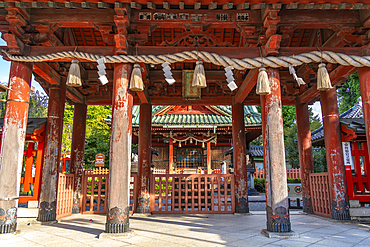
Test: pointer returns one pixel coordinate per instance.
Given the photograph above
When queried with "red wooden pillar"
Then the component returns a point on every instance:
(120, 152)
(364, 76)
(170, 156)
(334, 155)
(145, 158)
(209, 161)
(277, 206)
(240, 158)
(77, 152)
(13, 139)
(53, 143)
(305, 153)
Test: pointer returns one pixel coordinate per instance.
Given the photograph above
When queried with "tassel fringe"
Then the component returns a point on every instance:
(323, 78)
(263, 85)
(74, 75)
(199, 77)
(136, 82)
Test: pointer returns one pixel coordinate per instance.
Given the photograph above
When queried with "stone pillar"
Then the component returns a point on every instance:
(13, 139)
(305, 153)
(120, 152)
(145, 158)
(364, 76)
(239, 159)
(53, 143)
(77, 152)
(334, 155)
(277, 206)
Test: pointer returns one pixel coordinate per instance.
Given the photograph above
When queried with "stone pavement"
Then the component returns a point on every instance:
(189, 230)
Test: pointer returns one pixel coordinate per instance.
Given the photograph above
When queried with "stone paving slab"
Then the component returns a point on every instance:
(189, 230)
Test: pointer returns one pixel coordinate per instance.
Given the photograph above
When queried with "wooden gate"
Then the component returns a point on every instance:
(192, 194)
(95, 189)
(358, 180)
(65, 195)
(320, 194)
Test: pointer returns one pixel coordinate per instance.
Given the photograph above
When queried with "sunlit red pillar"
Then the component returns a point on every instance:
(277, 206)
(209, 158)
(120, 152)
(145, 144)
(240, 166)
(305, 153)
(77, 152)
(334, 155)
(364, 76)
(170, 156)
(13, 139)
(53, 143)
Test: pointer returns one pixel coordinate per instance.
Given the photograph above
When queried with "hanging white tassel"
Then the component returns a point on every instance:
(202, 144)
(74, 75)
(323, 78)
(299, 80)
(199, 77)
(263, 85)
(179, 144)
(136, 82)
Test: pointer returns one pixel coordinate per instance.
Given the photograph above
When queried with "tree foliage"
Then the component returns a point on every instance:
(349, 94)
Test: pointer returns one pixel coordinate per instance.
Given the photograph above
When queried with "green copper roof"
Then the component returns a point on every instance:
(252, 117)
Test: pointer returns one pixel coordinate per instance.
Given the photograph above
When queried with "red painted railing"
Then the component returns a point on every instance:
(358, 180)
(192, 194)
(320, 194)
(65, 195)
(291, 173)
(95, 191)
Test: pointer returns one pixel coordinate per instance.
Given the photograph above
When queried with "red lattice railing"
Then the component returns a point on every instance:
(358, 180)
(291, 173)
(192, 194)
(95, 191)
(320, 194)
(65, 195)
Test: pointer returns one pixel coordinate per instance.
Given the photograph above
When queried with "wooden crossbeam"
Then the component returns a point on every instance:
(248, 83)
(47, 73)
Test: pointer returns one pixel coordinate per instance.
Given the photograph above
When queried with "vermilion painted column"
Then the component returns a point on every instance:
(77, 152)
(277, 206)
(209, 161)
(305, 153)
(145, 158)
(334, 155)
(240, 166)
(120, 152)
(170, 156)
(364, 76)
(53, 143)
(13, 139)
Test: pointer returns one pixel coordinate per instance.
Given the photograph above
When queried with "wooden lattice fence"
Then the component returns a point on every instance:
(291, 173)
(320, 194)
(65, 195)
(192, 194)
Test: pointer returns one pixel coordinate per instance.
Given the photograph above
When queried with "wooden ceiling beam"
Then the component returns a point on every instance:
(143, 96)
(47, 73)
(248, 83)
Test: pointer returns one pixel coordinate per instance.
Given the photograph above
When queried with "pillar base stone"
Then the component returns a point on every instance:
(143, 205)
(76, 209)
(279, 234)
(105, 235)
(278, 221)
(117, 220)
(8, 220)
(47, 211)
(340, 210)
(307, 205)
(241, 206)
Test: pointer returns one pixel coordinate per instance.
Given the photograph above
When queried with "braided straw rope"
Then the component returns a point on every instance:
(239, 64)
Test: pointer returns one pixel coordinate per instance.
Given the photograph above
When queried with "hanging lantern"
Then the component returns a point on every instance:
(199, 77)
(136, 82)
(323, 78)
(74, 75)
(263, 85)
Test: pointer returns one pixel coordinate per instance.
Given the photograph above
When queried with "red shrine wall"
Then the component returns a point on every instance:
(217, 156)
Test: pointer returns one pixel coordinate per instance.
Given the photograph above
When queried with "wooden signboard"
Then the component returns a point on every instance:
(99, 160)
(189, 92)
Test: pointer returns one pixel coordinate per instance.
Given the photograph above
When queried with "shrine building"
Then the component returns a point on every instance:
(165, 57)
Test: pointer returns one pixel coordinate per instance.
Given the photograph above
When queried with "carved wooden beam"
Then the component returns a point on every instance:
(247, 85)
